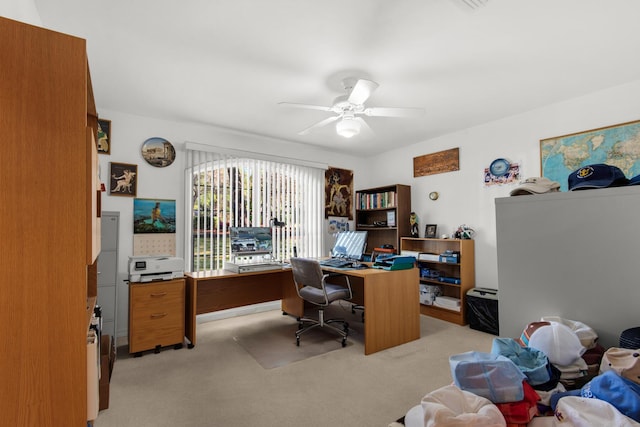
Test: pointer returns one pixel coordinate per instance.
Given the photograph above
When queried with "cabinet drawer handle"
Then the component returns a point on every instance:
(158, 315)
(159, 294)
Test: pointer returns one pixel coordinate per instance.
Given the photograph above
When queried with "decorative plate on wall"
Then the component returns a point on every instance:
(158, 152)
(499, 167)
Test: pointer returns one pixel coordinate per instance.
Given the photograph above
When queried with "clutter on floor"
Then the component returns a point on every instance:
(554, 374)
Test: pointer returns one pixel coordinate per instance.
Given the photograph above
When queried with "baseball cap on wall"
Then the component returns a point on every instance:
(598, 175)
(535, 185)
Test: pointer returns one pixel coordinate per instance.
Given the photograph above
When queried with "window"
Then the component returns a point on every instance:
(228, 190)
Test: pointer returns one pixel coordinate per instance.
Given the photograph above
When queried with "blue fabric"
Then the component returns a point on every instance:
(620, 392)
(491, 376)
(617, 390)
(532, 362)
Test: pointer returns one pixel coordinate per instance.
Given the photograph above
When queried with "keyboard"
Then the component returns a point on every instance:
(336, 263)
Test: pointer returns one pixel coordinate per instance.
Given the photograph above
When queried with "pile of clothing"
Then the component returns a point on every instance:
(554, 374)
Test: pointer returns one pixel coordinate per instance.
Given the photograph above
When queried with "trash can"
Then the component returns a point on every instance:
(482, 310)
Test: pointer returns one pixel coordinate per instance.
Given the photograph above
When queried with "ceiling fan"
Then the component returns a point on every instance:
(349, 107)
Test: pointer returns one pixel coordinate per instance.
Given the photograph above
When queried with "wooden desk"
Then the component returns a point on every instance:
(391, 299)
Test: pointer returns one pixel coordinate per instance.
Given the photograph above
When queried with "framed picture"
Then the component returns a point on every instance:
(123, 179)
(154, 216)
(338, 224)
(104, 136)
(391, 218)
(338, 192)
(430, 231)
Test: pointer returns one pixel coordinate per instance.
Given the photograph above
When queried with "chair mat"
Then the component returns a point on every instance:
(272, 343)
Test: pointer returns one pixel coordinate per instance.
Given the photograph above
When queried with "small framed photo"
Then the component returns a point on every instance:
(104, 136)
(123, 179)
(391, 218)
(430, 231)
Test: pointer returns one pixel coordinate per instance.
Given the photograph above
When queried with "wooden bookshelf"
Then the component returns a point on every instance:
(381, 205)
(464, 270)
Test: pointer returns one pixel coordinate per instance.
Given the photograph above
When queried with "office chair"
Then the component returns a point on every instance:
(320, 289)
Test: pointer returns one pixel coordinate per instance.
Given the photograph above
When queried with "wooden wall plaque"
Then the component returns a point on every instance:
(440, 162)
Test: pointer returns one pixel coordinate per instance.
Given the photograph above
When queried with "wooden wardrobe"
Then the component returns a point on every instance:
(49, 225)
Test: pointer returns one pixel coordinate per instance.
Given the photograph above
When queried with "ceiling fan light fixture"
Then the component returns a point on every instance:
(348, 127)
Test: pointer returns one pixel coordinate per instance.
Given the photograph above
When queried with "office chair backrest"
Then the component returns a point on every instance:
(307, 272)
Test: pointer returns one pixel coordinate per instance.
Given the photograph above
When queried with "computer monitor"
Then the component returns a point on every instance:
(350, 245)
(250, 240)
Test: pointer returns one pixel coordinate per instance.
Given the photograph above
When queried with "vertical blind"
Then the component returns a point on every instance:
(229, 190)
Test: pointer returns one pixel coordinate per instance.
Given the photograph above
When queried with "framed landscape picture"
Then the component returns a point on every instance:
(154, 216)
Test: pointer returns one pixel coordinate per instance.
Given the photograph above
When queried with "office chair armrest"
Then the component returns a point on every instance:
(347, 282)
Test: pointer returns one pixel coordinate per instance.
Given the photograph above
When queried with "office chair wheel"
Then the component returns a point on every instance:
(298, 341)
(344, 341)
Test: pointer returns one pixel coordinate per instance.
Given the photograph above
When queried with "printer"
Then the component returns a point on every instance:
(154, 268)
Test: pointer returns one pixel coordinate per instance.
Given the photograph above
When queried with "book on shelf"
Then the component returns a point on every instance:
(382, 200)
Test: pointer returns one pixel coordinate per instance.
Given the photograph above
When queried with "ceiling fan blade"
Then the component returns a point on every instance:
(307, 106)
(362, 91)
(319, 124)
(393, 112)
(365, 129)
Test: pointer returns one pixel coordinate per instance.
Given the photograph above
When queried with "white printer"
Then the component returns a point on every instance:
(153, 268)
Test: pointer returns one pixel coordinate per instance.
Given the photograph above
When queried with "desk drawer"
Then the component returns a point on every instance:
(156, 315)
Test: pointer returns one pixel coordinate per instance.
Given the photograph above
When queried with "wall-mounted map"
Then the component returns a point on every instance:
(617, 145)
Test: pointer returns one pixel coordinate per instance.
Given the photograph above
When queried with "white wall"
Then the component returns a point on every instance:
(128, 132)
(21, 10)
(463, 197)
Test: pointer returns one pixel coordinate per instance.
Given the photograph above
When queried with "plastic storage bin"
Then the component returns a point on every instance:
(482, 310)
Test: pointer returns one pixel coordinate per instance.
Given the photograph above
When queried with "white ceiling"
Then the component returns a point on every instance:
(228, 63)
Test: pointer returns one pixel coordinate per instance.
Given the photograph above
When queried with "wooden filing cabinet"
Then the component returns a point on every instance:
(156, 315)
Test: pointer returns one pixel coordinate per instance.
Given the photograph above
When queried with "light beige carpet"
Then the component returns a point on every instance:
(219, 383)
(272, 343)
